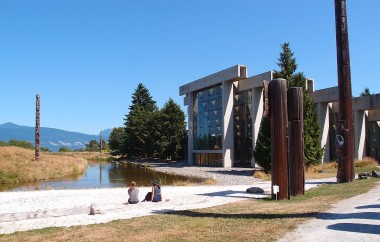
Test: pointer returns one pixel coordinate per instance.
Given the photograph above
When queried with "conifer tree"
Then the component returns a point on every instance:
(262, 152)
(138, 124)
(312, 151)
(173, 130)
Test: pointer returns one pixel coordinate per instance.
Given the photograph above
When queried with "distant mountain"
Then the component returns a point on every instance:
(51, 138)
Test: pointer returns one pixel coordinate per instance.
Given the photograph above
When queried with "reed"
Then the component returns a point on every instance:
(18, 165)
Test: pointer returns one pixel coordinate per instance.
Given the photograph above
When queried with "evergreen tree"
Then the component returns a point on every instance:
(138, 124)
(312, 150)
(116, 140)
(365, 92)
(93, 145)
(172, 132)
(262, 152)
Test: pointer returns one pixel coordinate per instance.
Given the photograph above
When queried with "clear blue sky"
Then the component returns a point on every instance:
(86, 57)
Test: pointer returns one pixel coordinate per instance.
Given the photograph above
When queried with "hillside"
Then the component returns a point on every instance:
(50, 138)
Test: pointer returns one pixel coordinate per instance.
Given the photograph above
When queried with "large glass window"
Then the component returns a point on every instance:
(207, 120)
(208, 159)
(242, 128)
(373, 139)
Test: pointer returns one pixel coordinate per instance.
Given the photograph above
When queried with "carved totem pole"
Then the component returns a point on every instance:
(344, 128)
(37, 141)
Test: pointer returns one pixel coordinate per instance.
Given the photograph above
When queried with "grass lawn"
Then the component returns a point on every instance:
(249, 220)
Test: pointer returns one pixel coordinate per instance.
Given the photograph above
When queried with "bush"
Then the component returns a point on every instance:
(366, 162)
(64, 149)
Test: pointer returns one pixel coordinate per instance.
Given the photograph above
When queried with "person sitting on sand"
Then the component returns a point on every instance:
(133, 193)
(155, 195)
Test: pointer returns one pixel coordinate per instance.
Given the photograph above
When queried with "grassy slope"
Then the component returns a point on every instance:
(18, 165)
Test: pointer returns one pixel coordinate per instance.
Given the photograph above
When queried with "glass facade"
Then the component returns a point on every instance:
(208, 159)
(207, 124)
(373, 139)
(242, 128)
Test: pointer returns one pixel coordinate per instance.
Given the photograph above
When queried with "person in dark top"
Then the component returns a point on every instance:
(133, 193)
(155, 195)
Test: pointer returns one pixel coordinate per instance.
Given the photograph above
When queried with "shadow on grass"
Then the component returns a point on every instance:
(235, 194)
(319, 183)
(194, 214)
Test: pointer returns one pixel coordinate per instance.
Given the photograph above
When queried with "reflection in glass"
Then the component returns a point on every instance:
(207, 124)
(208, 159)
(242, 128)
(373, 139)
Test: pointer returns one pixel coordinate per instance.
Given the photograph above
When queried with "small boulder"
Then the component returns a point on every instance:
(375, 174)
(363, 175)
(255, 190)
(94, 209)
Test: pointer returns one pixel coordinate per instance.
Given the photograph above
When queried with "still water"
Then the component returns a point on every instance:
(102, 175)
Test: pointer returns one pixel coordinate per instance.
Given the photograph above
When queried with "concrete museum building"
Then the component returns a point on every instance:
(225, 110)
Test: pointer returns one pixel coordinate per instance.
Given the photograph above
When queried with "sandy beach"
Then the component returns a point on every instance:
(21, 211)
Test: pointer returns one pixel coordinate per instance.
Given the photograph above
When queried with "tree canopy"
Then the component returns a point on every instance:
(149, 132)
(312, 151)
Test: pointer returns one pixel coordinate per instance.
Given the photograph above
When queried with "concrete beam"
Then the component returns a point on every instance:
(360, 134)
(373, 115)
(237, 72)
(228, 127)
(257, 115)
(366, 102)
(190, 137)
(326, 95)
(323, 110)
(254, 81)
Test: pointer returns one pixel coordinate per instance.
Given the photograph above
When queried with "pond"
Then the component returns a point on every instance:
(102, 175)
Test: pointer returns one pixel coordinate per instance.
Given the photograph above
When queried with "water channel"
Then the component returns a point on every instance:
(101, 175)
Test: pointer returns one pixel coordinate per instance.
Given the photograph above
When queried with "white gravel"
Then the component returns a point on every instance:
(20, 211)
(63, 208)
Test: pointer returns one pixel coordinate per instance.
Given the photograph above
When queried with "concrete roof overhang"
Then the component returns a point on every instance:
(233, 73)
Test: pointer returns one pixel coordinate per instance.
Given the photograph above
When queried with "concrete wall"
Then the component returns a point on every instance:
(364, 108)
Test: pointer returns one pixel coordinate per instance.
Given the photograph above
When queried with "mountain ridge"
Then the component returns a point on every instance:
(51, 138)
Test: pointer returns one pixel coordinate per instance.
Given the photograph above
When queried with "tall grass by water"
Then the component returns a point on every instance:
(18, 165)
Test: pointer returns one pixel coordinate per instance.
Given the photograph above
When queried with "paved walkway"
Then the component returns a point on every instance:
(354, 219)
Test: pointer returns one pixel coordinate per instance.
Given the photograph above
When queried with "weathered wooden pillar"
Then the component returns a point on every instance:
(296, 142)
(101, 142)
(37, 141)
(345, 137)
(279, 125)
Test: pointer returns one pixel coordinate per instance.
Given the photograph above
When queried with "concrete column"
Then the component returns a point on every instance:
(360, 134)
(324, 124)
(228, 128)
(257, 115)
(190, 137)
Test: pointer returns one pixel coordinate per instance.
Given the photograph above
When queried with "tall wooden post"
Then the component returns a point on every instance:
(345, 137)
(296, 142)
(101, 142)
(279, 125)
(37, 141)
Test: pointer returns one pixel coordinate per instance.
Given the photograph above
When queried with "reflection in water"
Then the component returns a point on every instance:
(102, 175)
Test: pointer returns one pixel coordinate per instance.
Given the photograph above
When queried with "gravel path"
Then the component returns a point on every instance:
(223, 176)
(354, 219)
